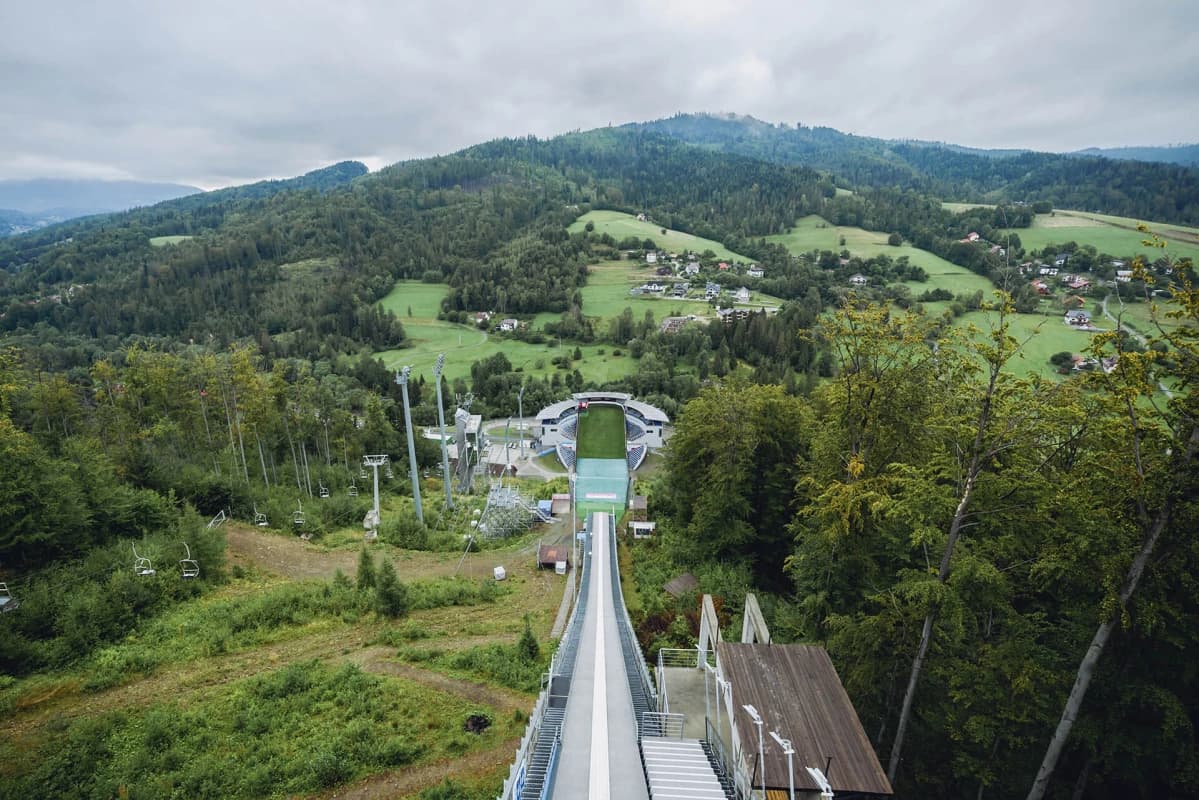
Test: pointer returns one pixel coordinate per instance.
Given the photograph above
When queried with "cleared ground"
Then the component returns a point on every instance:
(620, 225)
(278, 702)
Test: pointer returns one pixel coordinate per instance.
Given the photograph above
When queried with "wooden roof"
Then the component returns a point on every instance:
(797, 692)
(553, 553)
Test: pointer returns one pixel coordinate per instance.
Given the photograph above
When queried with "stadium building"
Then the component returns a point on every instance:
(645, 425)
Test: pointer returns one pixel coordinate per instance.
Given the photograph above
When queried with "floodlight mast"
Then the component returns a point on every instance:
(520, 409)
(402, 380)
(789, 751)
(757, 720)
(445, 456)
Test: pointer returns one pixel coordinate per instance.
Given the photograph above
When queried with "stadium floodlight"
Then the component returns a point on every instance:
(445, 457)
(402, 380)
(789, 751)
(757, 720)
(826, 789)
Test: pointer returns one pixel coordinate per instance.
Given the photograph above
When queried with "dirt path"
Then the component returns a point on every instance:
(407, 782)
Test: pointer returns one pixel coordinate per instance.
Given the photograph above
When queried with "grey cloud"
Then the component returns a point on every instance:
(232, 91)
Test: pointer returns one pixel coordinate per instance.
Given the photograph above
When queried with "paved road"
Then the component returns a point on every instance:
(599, 758)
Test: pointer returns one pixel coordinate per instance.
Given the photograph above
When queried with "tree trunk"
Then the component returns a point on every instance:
(1086, 669)
(926, 633)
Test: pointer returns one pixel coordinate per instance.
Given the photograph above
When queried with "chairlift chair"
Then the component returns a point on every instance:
(260, 518)
(141, 565)
(362, 474)
(353, 490)
(7, 601)
(297, 517)
(190, 567)
(324, 491)
(390, 475)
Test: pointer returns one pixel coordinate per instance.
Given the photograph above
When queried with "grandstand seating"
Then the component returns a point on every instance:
(566, 454)
(632, 431)
(635, 455)
(570, 428)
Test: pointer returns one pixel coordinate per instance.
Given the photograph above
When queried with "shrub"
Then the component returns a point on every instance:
(391, 596)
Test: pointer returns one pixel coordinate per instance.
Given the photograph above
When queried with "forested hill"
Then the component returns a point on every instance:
(1185, 154)
(1166, 192)
(298, 265)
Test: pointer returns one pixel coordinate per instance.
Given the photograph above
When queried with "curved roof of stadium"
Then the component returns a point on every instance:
(650, 413)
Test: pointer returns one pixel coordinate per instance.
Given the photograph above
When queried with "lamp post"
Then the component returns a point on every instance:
(402, 380)
(790, 751)
(445, 457)
(757, 720)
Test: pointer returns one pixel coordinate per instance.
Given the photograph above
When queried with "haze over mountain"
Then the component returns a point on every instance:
(35, 203)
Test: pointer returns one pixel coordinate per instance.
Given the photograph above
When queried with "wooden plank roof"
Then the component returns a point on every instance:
(795, 689)
(681, 585)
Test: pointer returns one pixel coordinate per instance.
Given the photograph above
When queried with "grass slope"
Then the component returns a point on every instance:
(417, 304)
(601, 432)
(1116, 236)
(620, 225)
(814, 233)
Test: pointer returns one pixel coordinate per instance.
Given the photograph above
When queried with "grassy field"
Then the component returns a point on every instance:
(164, 241)
(464, 344)
(1116, 236)
(814, 233)
(601, 432)
(606, 294)
(620, 225)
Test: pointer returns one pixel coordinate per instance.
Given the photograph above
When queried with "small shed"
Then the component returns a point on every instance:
(560, 504)
(642, 530)
(637, 505)
(548, 555)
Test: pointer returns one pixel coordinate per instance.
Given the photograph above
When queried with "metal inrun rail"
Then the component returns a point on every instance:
(640, 687)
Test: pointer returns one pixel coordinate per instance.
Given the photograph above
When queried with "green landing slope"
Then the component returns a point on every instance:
(601, 468)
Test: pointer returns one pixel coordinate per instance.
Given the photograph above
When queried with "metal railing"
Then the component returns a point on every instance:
(664, 725)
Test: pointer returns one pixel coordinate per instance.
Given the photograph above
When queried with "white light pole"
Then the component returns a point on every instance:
(520, 409)
(757, 720)
(402, 380)
(445, 458)
(790, 751)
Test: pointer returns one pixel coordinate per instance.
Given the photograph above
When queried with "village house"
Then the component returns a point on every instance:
(1041, 287)
(858, 279)
(970, 238)
(1123, 275)
(755, 271)
(651, 257)
(692, 268)
(509, 324)
(1047, 270)
(1078, 317)
(1061, 260)
(742, 295)
(722, 266)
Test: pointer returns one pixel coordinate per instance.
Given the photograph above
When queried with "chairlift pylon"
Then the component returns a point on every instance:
(190, 567)
(141, 565)
(7, 601)
(260, 518)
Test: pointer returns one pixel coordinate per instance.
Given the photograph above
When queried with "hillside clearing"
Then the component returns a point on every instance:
(620, 225)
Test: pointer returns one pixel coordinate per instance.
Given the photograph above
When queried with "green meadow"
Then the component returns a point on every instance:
(417, 304)
(1116, 236)
(620, 225)
(814, 233)
(165, 241)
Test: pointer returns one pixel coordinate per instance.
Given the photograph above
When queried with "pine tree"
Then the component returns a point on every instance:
(391, 596)
(527, 649)
(366, 571)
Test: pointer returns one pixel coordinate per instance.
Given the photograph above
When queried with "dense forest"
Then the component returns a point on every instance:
(1166, 192)
(957, 537)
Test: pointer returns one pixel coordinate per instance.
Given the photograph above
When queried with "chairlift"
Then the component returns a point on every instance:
(7, 601)
(141, 565)
(324, 490)
(218, 519)
(190, 567)
(390, 475)
(353, 490)
(260, 518)
(297, 518)
(362, 474)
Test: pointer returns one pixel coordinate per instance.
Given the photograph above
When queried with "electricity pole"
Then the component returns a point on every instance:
(445, 457)
(402, 380)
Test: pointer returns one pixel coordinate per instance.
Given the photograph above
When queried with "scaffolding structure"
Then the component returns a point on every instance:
(507, 512)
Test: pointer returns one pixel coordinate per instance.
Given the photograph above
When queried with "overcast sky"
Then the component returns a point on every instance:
(222, 92)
